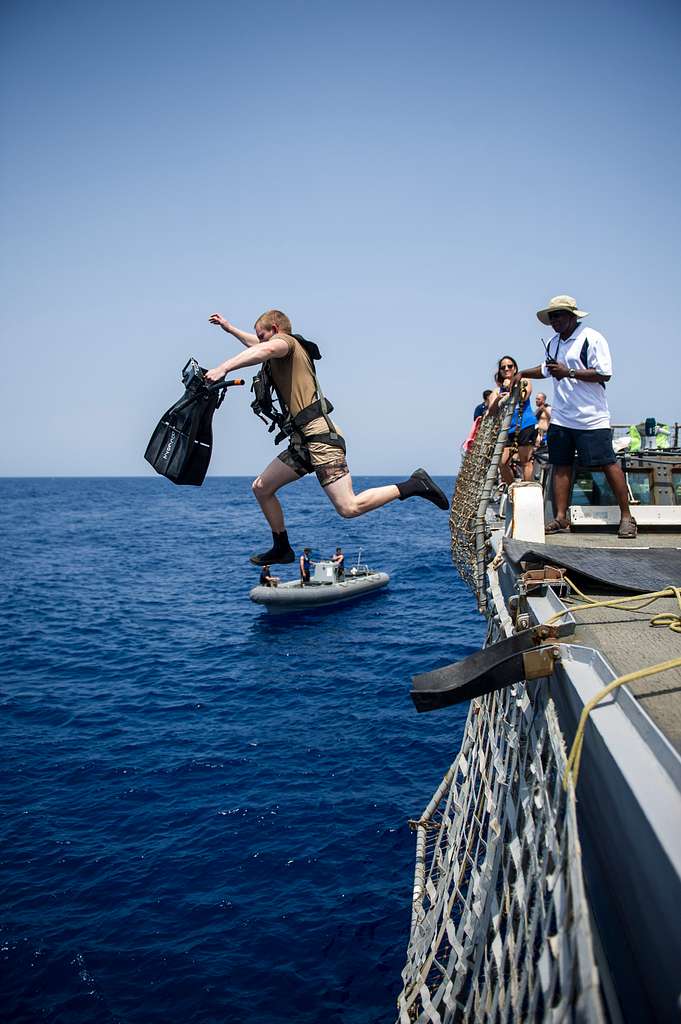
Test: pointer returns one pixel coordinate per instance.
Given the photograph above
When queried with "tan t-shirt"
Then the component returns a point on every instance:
(292, 375)
(294, 380)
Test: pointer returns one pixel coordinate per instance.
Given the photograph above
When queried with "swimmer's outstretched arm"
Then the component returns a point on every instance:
(243, 336)
(277, 348)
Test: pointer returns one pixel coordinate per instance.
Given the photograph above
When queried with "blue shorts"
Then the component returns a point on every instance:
(593, 448)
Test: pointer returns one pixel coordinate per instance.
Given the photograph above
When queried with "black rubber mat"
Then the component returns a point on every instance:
(633, 569)
(498, 665)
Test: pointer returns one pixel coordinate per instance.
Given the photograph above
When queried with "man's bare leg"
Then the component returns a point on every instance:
(505, 471)
(349, 505)
(562, 479)
(526, 459)
(265, 487)
(618, 484)
(341, 494)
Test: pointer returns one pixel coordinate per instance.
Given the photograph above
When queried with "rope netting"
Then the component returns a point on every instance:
(500, 925)
(475, 483)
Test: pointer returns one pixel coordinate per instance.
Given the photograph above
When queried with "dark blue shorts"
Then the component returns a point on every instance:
(592, 447)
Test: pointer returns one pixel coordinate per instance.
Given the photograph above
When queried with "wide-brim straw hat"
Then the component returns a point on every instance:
(565, 302)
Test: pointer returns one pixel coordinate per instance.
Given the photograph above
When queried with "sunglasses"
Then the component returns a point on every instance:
(558, 313)
(507, 366)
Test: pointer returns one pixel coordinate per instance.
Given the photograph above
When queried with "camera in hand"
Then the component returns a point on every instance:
(549, 359)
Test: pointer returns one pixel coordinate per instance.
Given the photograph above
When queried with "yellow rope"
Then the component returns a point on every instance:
(576, 751)
(668, 619)
(634, 603)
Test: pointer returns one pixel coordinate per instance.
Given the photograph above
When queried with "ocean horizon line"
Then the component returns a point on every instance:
(145, 476)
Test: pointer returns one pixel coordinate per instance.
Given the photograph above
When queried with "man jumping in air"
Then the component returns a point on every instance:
(288, 377)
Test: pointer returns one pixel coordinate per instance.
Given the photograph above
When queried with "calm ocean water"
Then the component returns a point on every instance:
(204, 809)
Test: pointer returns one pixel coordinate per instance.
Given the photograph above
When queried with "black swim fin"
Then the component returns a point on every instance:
(182, 443)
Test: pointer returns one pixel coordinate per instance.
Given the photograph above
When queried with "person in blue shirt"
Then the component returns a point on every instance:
(523, 428)
(267, 579)
(305, 566)
(481, 409)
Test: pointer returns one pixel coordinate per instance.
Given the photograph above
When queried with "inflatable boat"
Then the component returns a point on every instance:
(324, 588)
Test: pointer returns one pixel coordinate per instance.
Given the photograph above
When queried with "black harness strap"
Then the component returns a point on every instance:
(264, 391)
(333, 440)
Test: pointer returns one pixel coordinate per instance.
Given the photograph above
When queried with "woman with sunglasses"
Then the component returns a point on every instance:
(523, 422)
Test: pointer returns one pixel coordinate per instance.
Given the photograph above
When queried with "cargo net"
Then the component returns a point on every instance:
(474, 485)
(500, 927)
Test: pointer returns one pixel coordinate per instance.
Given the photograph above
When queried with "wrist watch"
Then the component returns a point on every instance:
(572, 373)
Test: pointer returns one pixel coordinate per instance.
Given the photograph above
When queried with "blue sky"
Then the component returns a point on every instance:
(409, 182)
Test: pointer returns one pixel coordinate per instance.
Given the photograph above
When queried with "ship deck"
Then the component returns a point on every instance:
(626, 637)
(653, 538)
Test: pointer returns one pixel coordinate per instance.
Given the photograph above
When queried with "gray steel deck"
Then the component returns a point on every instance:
(629, 642)
(626, 638)
(606, 538)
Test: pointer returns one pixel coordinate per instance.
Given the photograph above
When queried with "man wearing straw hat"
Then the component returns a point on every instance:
(578, 359)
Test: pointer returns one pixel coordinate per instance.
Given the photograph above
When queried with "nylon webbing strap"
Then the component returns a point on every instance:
(301, 442)
(312, 412)
(325, 406)
(334, 440)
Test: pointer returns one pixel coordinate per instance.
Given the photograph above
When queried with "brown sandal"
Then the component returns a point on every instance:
(555, 526)
(628, 529)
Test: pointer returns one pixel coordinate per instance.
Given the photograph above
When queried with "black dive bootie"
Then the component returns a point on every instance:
(281, 552)
(420, 485)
